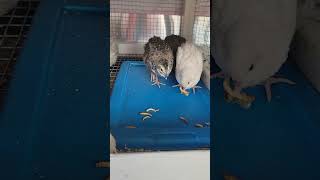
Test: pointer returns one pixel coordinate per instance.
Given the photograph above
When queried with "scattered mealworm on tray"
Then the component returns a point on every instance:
(198, 125)
(184, 92)
(152, 109)
(131, 127)
(184, 120)
(145, 114)
(146, 117)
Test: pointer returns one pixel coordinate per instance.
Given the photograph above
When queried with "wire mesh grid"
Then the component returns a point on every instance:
(201, 28)
(116, 67)
(138, 20)
(13, 31)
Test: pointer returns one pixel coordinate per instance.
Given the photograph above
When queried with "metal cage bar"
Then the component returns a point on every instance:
(14, 27)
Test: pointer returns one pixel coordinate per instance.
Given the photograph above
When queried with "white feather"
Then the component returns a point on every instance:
(113, 51)
(189, 64)
(205, 76)
(252, 42)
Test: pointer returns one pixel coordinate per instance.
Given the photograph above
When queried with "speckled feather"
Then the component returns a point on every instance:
(174, 42)
(157, 51)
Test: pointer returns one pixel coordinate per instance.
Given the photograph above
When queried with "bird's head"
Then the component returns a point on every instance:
(187, 79)
(164, 68)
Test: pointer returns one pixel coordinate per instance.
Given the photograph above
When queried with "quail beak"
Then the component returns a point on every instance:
(184, 91)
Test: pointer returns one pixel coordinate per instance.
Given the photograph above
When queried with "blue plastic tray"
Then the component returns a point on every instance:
(276, 140)
(54, 122)
(133, 93)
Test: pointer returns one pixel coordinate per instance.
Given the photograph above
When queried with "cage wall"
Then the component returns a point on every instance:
(138, 20)
(201, 26)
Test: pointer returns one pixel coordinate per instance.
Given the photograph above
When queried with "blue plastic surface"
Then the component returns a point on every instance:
(270, 141)
(54, 122)
(133, 93)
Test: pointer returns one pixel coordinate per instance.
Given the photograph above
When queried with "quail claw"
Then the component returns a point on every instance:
(274, 80)
(157, 82)
(194, 89)
(182, 90)
(235, 95)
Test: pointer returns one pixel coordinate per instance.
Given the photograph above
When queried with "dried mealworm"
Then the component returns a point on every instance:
(131, 127)
(153, 110)
(145, 114)
(198, 125)
(184, 92)
(146, 117)
(184, 120)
